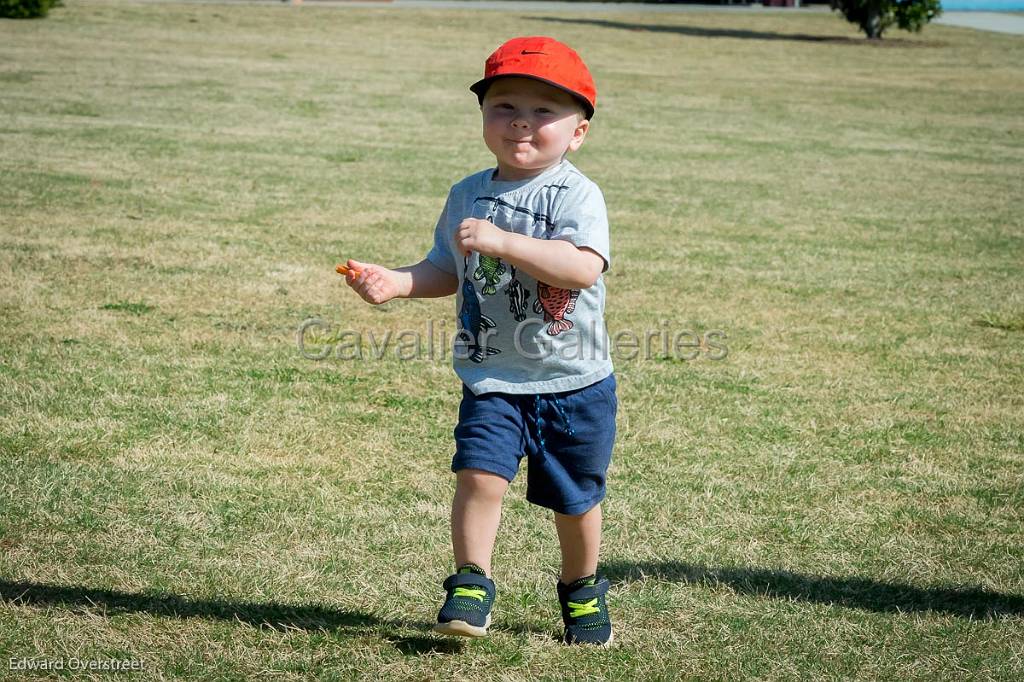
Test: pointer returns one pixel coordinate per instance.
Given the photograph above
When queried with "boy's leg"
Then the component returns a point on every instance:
(488, 437)
(581, 592)
(580, 540)
(476, 513)
(570, 451)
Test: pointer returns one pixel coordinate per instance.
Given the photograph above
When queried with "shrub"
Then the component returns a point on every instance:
(874, 16)
(26, 9)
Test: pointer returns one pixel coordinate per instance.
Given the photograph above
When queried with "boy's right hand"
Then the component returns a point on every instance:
(374, 283)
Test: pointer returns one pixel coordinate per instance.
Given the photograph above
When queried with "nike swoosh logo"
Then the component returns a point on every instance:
(529, 52)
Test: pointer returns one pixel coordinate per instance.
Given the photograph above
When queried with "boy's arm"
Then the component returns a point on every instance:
(377, 284)
(556, 262)
(426, 280)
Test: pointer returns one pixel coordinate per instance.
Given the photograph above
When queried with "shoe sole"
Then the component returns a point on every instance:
(461, 628)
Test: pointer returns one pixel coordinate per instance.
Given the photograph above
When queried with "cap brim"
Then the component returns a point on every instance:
(480, 89)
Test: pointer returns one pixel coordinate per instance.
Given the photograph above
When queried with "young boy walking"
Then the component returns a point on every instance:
(524, 246)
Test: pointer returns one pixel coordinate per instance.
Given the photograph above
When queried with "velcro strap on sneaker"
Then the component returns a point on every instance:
(464, 579)
(589, 591)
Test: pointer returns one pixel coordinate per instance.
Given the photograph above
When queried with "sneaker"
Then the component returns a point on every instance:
(467, 610)
(585, 612)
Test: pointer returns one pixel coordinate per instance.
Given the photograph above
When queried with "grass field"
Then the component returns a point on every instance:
(840, 496)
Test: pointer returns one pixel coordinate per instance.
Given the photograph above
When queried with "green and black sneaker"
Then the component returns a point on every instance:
(585, 612)
(467, 610)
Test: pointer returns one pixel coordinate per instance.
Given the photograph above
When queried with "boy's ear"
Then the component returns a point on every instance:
(579, 134)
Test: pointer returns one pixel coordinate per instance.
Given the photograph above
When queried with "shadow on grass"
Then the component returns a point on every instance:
(272, 615)
(1007, 324)
(418, 646)
(701, 32)
(853, 592)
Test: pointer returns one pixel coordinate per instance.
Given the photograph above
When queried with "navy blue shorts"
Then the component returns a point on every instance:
(566, 437)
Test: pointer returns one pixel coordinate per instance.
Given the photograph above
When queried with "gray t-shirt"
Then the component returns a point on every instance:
(518, 335)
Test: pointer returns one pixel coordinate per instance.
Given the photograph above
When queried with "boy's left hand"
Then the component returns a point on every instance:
(481, 236)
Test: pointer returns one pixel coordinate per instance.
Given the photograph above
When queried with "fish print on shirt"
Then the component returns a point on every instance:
(555, 303)
(473, 323)
(490, 269)
(518, 295)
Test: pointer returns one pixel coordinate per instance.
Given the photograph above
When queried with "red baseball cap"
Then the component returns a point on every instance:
(543, 59)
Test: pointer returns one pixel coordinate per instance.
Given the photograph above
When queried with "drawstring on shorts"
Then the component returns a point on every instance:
(538, 420)
(561, 413)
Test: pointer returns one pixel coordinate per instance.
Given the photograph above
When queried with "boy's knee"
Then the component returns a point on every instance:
(478, 482)
(580, 517)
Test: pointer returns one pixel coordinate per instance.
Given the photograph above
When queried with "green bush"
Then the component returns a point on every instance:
(874, 16)
(26, 9)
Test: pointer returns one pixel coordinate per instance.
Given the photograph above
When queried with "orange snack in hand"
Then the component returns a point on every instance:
(344, 270)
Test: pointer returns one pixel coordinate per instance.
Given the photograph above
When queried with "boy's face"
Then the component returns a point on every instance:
(529, 126)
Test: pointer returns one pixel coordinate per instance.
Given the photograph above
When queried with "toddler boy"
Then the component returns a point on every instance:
(524, 245)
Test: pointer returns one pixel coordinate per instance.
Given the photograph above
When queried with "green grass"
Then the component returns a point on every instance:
(839, 497)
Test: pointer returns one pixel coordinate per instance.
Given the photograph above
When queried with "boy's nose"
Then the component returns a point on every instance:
(520, 123)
